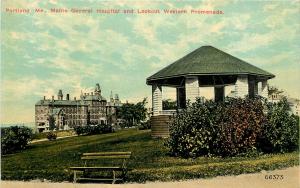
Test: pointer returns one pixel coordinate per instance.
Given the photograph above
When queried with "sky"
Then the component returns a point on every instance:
(44, 52)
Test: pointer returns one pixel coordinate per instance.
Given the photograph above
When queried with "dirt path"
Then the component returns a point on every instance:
(287, 178)
(45, 139)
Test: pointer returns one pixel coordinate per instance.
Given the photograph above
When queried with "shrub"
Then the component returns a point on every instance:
(51, 135)
(14, 138)
(99, 129)
(281, 132)
(225, 129)
(193, 132)
(93, 129)
(78, 130)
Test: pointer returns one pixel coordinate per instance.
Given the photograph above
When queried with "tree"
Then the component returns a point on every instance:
(51, 120)
(274, 90)
(133, 113)
(140, 111)
(125, 112)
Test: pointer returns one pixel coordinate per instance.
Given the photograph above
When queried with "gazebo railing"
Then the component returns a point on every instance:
(168, 112)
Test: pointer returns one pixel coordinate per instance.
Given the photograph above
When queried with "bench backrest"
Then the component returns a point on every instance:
(106, 155)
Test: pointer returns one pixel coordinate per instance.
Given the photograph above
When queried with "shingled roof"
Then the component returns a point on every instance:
(60, 102)
(208, 60)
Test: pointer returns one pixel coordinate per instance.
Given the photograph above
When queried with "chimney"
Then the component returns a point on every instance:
(74, 98)
(60, 95)
(52, 98)
(44, 97)
(68, 97)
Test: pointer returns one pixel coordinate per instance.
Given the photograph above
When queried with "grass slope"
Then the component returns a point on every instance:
(150, 162)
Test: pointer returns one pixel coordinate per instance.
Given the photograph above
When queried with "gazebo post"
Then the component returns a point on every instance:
(241, 86)
(156, 99)
(219, 93)
(263, 88)
(256, 88)
(191, 88)
(180, 97)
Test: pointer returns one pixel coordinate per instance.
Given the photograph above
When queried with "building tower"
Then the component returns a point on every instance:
(116, 98)
(111, 97)
(98, 90)
(60, 95)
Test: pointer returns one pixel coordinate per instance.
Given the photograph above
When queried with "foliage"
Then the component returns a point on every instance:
(194, 131)
(51, 122)
(208, 128)
(169, 104)
(281, 132)
(80, 130)
(14, 138)
(140, 111)
(274, 90)
(133, 114)
(93, 129)
(51, 160)
(51, 135)
(233, 128)
(126, 112)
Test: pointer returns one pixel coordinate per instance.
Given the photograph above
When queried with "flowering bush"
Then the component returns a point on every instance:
(241, 122)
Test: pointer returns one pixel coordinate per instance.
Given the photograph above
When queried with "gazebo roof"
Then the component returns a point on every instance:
(208, 60)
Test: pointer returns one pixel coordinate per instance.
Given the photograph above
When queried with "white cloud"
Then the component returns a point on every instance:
(278, 59)
(251, 41)
(17, 90)
(277, 19)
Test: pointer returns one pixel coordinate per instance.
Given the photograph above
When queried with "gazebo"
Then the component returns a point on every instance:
(207, 66)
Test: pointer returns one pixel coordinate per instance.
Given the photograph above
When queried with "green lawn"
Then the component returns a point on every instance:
(50, 159)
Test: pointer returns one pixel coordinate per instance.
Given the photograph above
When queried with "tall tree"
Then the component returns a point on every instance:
(51, 120)
(140, 111)
(274, 90)
(133, 114)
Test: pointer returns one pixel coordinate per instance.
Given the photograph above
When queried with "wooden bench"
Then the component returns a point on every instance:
(117, 166)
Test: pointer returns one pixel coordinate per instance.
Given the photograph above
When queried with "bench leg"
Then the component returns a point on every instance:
(114, 177)
(124, 172)
(74, 179)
